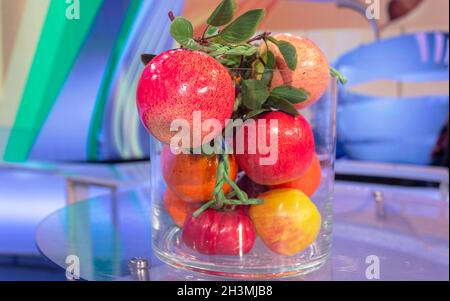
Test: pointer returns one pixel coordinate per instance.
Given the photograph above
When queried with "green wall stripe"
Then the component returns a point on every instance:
(97, 118)
(58, 47)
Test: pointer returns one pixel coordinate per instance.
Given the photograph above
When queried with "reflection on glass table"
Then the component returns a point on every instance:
(405, 229)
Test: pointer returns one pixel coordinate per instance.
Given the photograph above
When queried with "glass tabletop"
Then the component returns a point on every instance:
(410, 242)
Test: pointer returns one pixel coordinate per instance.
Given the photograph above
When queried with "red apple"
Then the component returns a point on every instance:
(294, 151)
(177, 83)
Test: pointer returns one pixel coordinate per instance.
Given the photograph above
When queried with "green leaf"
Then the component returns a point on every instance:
(341, 78)
(270, 66)
(289, 93)
(257, 70)
(220, 51)
(289, 54)
(254, 93)
(251, 51)
(282, 105)
(237, 102)
(183, 32)
(147, 58)
(223, 14)
(269, 60)
(255, 113)
(213, 47)
(243, 28)
(211, 30)
(229, 61)
(240, 50)
(245, 50)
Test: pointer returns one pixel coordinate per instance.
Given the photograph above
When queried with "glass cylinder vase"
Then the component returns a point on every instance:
(288, 234)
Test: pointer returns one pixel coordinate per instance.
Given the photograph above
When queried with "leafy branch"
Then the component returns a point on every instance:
(219, 198)
(231, 41)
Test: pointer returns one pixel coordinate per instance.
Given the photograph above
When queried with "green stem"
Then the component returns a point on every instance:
(342, 79)
(219, 199)
(203, 208)
(211, 37)
(204, 32)
(262, 36)
(242, 196)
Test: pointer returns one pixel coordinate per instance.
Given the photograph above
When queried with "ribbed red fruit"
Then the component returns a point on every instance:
(220, 232)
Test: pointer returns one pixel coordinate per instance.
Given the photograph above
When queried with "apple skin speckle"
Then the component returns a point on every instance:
(179, 82)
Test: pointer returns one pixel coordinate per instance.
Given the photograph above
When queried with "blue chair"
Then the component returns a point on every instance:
(390, 129)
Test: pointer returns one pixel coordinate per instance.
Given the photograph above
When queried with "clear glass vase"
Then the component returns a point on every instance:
(286, 251)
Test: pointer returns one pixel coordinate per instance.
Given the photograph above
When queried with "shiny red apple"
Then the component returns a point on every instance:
(177, 83)
(294, 149)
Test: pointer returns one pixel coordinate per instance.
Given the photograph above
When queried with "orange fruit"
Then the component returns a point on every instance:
(287, 222)
(193, 177)
(177, 208)
(313, 70)
(309, 182)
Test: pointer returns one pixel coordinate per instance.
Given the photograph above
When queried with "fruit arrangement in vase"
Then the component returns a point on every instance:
(238, 160)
